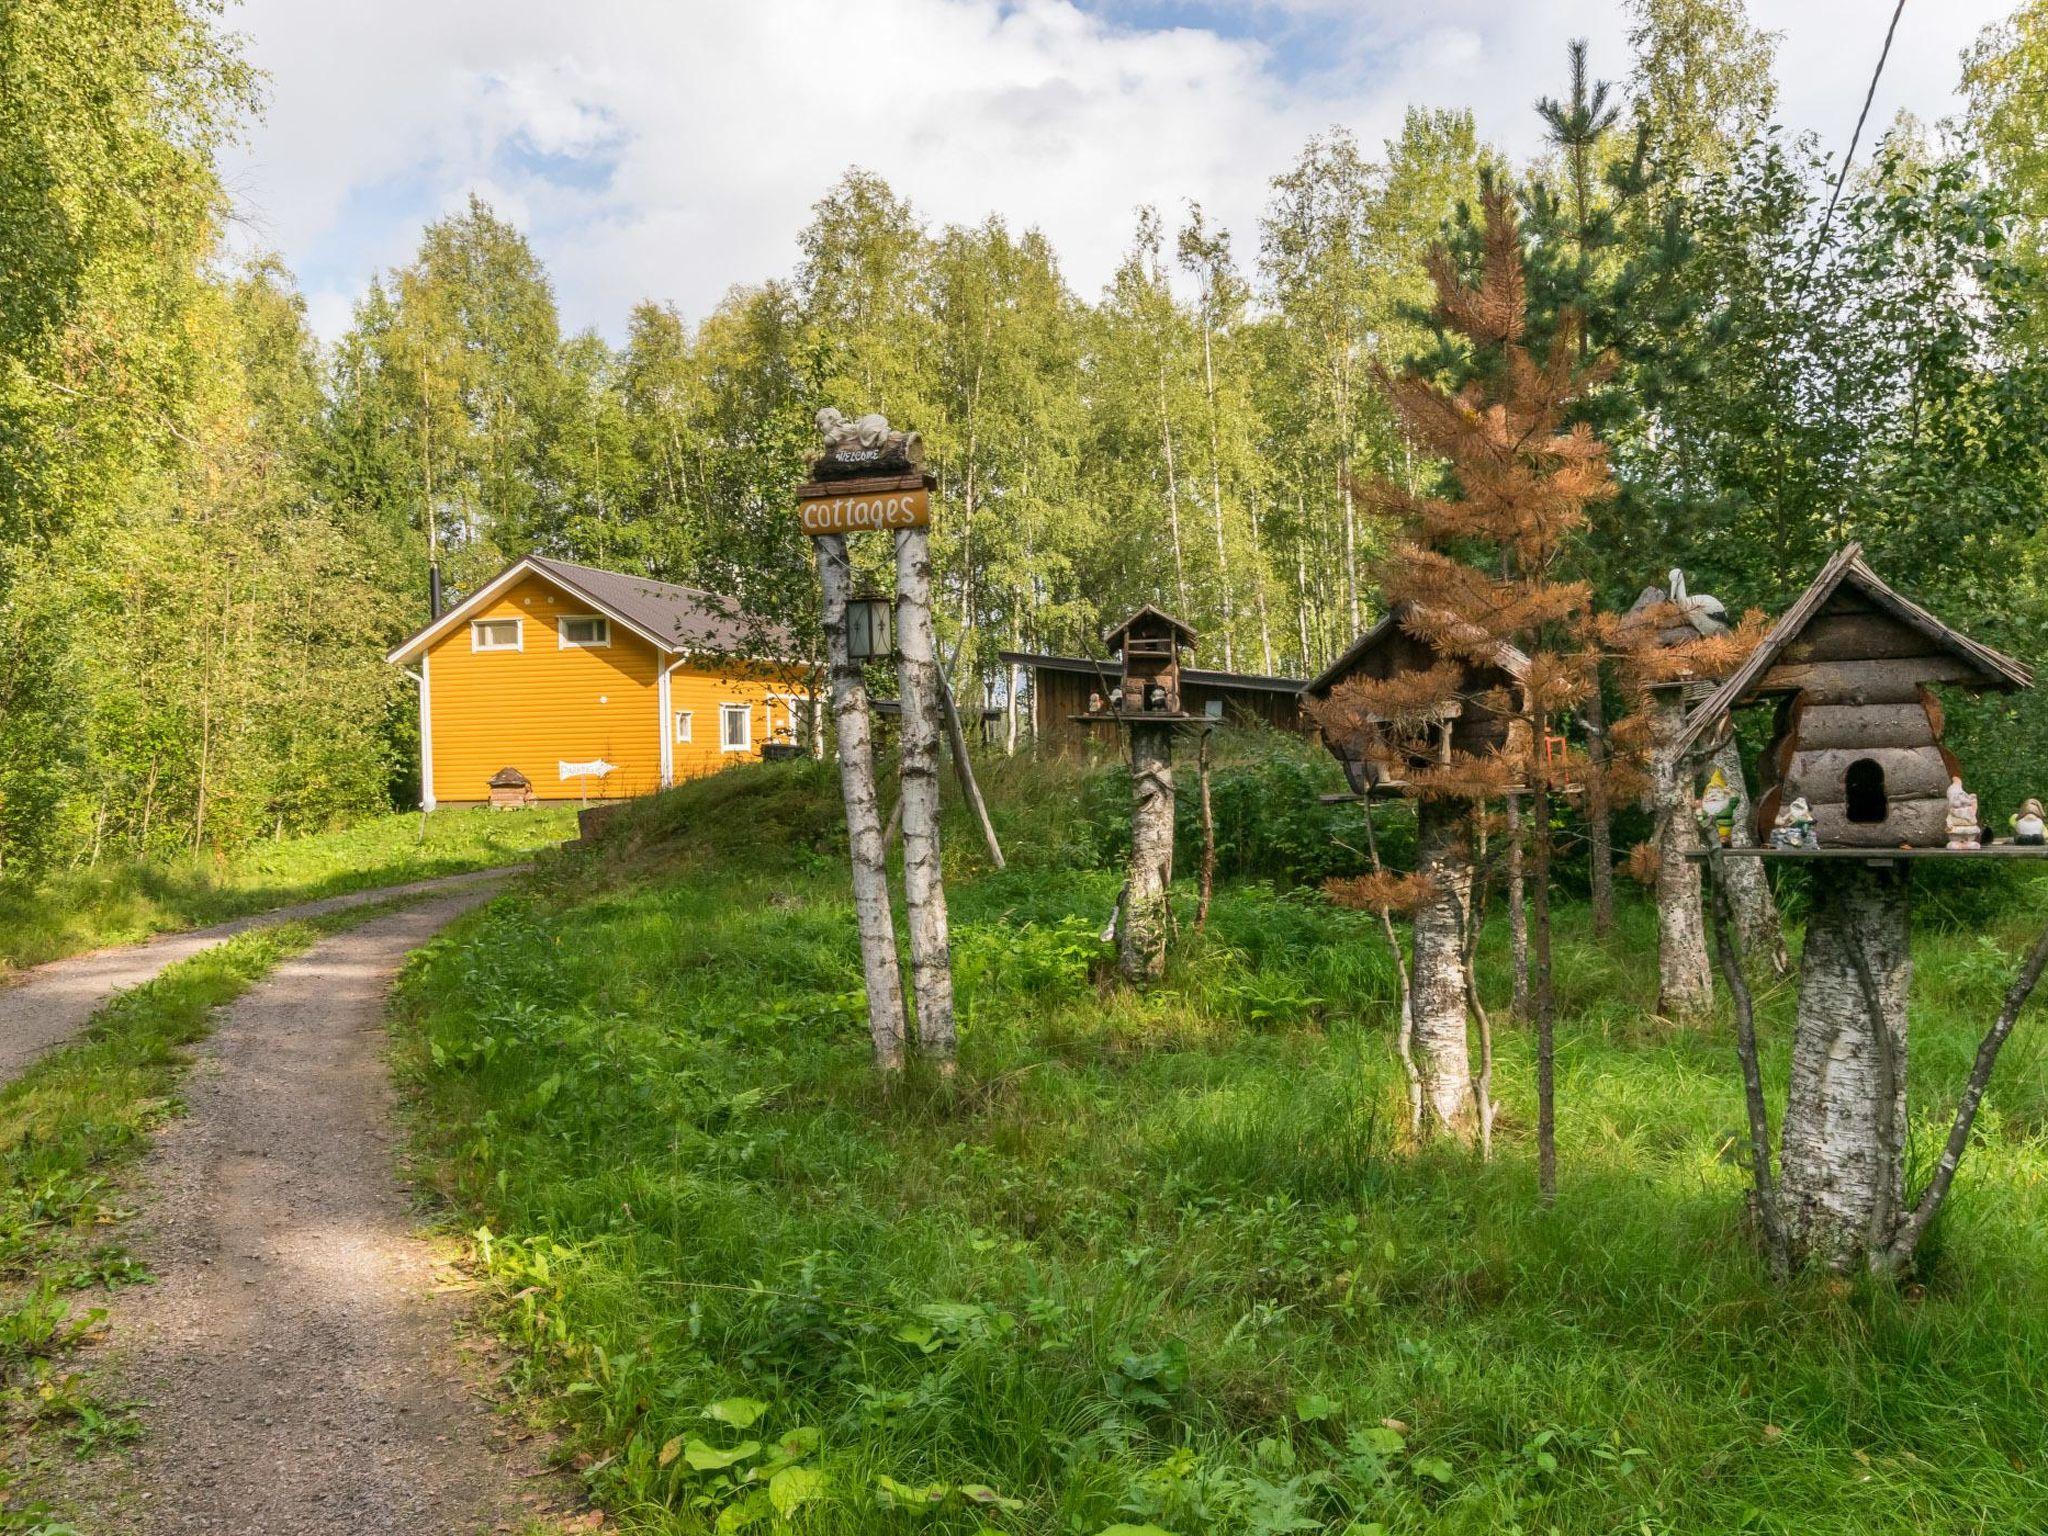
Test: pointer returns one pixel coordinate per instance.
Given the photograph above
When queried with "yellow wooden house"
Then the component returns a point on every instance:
(595, 685)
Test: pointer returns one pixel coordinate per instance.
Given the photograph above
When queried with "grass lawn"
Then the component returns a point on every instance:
(1162, 1262)
(119, 901)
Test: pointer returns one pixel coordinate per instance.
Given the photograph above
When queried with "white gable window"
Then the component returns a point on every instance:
(735, 727)
(583, 632)
(684, 730)
(495, 635)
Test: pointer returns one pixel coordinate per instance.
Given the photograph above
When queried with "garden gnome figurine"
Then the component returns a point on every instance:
(1717, 808)
(2028, 829)
(1961, 823)
(1794, 826)
(1116, 699)
(1094, 702)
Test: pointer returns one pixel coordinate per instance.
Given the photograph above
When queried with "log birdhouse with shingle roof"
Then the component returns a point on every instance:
(1376, 756)
(1852, 665)
(1148, 644)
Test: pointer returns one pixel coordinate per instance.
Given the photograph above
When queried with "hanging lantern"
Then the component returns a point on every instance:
(868, 636)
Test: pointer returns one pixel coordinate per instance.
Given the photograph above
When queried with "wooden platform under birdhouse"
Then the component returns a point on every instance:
(1144, 717)
(1401, 789)
(1877, 855)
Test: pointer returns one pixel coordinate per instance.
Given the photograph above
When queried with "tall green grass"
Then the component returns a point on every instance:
(1164, 1260)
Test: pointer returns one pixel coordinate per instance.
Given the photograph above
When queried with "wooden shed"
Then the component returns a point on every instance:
(1851, 665)
(1389, 648)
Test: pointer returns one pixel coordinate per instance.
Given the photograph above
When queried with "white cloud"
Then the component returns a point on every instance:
(671, 148)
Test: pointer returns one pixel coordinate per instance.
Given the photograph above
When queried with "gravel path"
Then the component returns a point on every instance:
(296, 1368)
(51, 1003)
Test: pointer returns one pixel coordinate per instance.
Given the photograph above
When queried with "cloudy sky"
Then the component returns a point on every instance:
(672, 148)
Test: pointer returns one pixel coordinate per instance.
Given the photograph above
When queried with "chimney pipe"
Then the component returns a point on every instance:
(433, 592)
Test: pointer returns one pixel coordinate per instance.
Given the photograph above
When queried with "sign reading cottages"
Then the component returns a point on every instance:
(849, 511)
(868, 480)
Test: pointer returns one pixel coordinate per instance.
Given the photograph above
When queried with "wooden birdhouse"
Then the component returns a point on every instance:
(1467, 724)
(1149, 644)
(510, 790)
(1852, 665)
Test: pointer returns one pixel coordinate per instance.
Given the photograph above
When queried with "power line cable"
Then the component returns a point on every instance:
(1842, 176)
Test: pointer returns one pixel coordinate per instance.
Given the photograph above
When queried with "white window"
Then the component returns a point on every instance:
(735, 727)
(583, 632)
(495, 635)
(683, 725)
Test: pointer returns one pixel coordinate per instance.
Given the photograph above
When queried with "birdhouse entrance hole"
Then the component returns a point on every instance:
(1864, 783)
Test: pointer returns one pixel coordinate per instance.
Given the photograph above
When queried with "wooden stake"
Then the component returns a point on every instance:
(1208, 838)
(1906, 1240)
(1728, 949)
(963, 766)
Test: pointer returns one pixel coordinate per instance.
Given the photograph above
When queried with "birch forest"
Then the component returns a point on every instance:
(213, 524)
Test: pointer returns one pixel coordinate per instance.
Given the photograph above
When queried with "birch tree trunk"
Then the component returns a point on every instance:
(1843, 1145)
(1749, 886)
(1216, 495)
(863, 816)
(1180, 569)
(924, 890)
(1259, 589)
(1685, 979)
(1142, 931)
(1437, 996)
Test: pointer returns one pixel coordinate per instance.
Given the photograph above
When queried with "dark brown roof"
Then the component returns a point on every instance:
(680, 618)
(1848, 568)
(674, 618)
(1509, 659)
(1115, 633)
(1088, 667)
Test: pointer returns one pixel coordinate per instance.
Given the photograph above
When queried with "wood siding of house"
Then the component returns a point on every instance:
(546, 703)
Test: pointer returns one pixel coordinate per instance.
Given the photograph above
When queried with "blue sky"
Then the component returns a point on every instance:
(672, 148)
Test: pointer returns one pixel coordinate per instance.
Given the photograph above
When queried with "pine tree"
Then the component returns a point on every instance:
(1480, 568)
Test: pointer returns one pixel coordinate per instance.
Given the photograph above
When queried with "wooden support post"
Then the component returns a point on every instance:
(1142, 925)
(1518, 912)
(1728, 947)
(863, 819)
(963, 767)
(1208, 887)
(924, 890)
(1748, 886)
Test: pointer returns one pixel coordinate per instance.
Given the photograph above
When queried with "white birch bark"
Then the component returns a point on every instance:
(1749, 886)
(1216, 496)
(1180, 570)
(863, 815)
(924, 890)
(1437, 992)
(1842, 1156)
(1141, 929)
(1685, 979)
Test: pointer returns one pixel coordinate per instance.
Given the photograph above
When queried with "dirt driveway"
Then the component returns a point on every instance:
(51, 1003)
(298, 1372)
